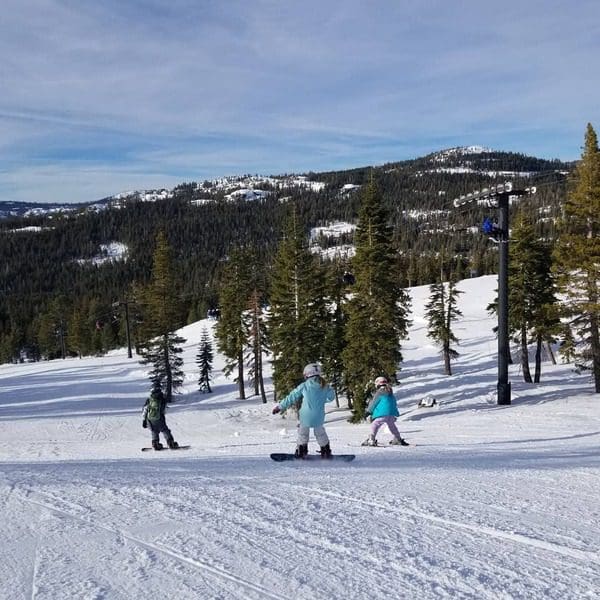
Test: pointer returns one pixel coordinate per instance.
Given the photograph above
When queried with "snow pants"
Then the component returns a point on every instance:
(158, 427)
(390, 421)
(320, 434)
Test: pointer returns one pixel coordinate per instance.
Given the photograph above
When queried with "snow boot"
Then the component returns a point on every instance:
(301, 451)
(325, 451)
(370, 441)
(399, 442)
(157, 445)
(172, 444)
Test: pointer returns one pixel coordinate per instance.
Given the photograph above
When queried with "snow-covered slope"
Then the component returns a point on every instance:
(488, 502)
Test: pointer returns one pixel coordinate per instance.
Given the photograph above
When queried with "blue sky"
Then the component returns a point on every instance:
(101, 97)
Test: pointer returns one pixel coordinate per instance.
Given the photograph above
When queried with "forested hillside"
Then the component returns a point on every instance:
(54, 284)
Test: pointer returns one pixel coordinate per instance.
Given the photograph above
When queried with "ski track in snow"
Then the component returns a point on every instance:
(244, 521)
(86, 521)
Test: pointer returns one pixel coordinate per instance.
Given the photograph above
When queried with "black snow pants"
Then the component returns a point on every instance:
(160, 426)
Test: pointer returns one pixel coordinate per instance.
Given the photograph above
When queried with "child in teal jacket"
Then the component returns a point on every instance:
(314, 393)
(383, 411)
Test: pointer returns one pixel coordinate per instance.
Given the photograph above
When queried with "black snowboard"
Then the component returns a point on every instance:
(282, 456)
(166, 448)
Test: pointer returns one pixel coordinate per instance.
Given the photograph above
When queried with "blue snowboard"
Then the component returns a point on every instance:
(282, 456)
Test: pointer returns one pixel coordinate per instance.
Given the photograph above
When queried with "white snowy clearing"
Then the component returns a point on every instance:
(489, 502)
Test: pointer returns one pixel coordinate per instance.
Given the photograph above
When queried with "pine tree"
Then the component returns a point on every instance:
(441, 311)
(78, 335)
(333, 365)
(161, 299)
(378, 308)
(163, 353)
(545, 325)
(299, 318)
(255, 322)
(577, 254)
(256, 327)
(522, 298)
(230, 330)
(52, 331)
(162, 316)
(46, 335)
(568, 345)
(204, 360)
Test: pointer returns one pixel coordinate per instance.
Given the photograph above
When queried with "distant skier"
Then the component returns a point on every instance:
(154, 415)
(383, 411)
(314, 393)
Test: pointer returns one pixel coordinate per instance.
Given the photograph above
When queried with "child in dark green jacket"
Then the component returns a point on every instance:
(154, 415)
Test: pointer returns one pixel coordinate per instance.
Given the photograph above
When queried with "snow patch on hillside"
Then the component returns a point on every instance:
(111, 252)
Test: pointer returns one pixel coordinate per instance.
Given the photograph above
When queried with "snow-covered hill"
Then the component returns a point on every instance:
(488, 502)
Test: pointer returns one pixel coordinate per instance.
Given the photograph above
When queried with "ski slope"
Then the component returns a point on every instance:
(489, 502)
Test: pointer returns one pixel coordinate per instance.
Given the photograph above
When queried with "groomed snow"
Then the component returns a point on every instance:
(489, 502)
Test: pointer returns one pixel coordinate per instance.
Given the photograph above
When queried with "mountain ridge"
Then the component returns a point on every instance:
(458, 159)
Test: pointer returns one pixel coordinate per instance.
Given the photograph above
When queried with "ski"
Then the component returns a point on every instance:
(283, 456)
(146, 448)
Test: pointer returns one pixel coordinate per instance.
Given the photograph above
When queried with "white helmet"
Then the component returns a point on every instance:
(380, 381)
(312, 370)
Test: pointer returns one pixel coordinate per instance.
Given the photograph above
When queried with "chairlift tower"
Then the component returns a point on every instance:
(498, 196)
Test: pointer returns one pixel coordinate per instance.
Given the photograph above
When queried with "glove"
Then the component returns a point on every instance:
(144, 424)
(276, 409)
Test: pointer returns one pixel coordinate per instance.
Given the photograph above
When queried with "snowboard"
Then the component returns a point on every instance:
(282, 456)
(145, 449)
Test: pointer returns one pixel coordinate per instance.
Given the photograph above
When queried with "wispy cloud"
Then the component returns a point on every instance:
(154, 92)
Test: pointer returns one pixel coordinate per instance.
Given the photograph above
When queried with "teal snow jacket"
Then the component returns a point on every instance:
(383, 404)
(314, 397)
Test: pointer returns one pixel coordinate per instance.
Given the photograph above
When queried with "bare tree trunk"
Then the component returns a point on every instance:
(446, 352)
(525, 356)
(259, 376)
(538, 359)
(241, 390)
(263, 394)
(550, 352)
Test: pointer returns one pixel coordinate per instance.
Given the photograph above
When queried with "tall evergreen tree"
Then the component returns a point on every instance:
(255, 322)
(531, 292)
(441, 311)
(52, 332)
(577, 254)
(545, 325)
(204, 360)
(298, 319)
(340, 284)
(256, 325)
(378, 308)
(568, 345)
(230, 330)
(78, 334)
(162, 316)
(163, 353)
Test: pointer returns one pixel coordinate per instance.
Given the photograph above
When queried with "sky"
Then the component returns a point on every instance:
(97, 98)
(488, 502)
